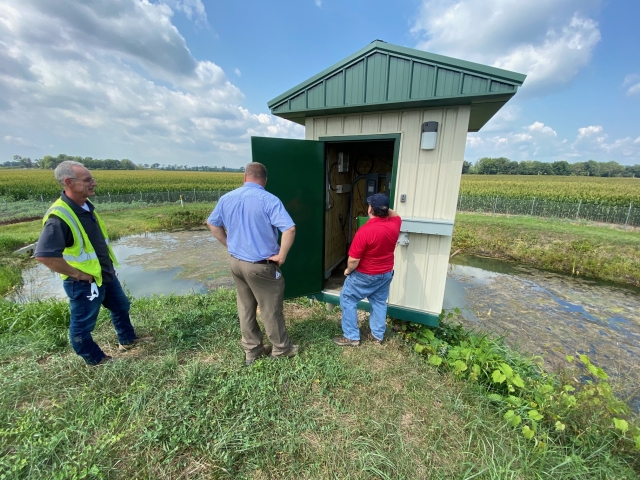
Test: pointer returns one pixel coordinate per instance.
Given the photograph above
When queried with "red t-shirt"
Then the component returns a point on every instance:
(374, 244)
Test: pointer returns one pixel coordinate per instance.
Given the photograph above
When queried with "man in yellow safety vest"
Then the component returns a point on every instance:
(75, 244)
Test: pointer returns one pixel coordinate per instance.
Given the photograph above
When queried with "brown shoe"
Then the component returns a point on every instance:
(136, 341)
(292, 352)
(373, 339)
(266, 351)
(346, 342)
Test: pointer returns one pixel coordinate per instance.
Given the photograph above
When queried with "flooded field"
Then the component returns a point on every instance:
(540, 313)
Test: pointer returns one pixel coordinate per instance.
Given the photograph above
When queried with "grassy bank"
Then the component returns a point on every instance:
(600, 252)
(184, 407)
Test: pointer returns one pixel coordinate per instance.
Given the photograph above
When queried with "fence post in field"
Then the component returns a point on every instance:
(578, 212)
(628, 214)
(140, 195)
(495, 204)
(533, 205)
(109, 196)
(218, 194)
(195, 199)
(168, 197)
(181, 202)
(41, 199)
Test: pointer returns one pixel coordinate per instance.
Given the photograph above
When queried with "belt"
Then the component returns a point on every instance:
(259, 262)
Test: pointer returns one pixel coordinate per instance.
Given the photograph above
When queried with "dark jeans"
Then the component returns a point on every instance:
(84, 314)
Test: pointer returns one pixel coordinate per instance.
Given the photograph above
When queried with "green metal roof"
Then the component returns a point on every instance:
(383, 76)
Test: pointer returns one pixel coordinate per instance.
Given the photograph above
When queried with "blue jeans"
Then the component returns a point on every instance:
(84, 314)
(358, 286)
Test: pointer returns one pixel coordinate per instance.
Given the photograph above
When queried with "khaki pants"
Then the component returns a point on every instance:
(256, 284)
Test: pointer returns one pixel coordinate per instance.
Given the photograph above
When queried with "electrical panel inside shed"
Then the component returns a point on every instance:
(354, 171)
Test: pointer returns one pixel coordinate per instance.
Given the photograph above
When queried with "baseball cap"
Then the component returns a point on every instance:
(379, 200)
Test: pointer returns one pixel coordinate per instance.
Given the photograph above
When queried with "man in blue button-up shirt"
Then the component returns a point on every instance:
(246, 221)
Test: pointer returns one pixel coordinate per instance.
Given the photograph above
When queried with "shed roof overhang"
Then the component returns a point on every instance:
(384, 77)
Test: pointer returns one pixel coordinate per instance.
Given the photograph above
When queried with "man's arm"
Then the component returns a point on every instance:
(392, 213)
(60, 265)
(285, 245)
(352, 264)
(219, 233)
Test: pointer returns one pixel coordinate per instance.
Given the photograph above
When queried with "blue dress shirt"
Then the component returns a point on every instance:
(252, 217)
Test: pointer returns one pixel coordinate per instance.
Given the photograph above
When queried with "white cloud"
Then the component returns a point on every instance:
(549, 40)
(116, 79)
(318, 3)
(18, 141)
(589, 131)
(594, 139)
(237, 72)
(542, 128)
(633, 82)
(541, 142)
(193, 9)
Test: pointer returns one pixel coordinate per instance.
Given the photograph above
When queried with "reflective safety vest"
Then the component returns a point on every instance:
(81, 254)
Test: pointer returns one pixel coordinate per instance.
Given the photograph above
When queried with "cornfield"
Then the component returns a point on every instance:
(594, 212)
(588, 190)
(40, 184)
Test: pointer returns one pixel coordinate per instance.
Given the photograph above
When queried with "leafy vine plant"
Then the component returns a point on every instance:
(544, 406)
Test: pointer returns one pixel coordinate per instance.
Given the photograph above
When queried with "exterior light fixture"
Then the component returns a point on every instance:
(429, 135)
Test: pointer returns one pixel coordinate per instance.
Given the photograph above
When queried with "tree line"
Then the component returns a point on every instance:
(591, 168)
(49, 162)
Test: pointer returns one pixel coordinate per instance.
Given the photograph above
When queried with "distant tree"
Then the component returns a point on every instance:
(465, 167)
(491, 166)
(593, 168)
(611, 169)
(561, 168)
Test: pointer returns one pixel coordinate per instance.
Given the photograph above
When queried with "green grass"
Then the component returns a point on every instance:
(185, 407)
(600, 252)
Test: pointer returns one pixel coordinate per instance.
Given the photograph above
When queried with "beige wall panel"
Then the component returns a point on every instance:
(408, 164)
(371, 123)
(309, 129)
(352, 124)
(453, 157)
(390, 122)
(319, 127)
(334, 126)
(421, 273)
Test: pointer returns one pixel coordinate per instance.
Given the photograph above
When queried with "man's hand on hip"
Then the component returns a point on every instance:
(279, 259)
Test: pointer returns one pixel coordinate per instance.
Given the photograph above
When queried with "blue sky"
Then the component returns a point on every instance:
(187, 81)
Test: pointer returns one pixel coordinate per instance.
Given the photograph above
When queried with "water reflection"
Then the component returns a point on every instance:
(552, 315)
(157, 263)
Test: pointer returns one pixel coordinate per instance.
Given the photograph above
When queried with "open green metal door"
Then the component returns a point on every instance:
(296, 177)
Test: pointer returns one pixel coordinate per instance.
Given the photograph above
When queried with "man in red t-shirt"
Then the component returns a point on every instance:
(369, 271)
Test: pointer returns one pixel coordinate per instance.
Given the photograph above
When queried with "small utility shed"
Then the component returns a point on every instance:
(386, 119)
